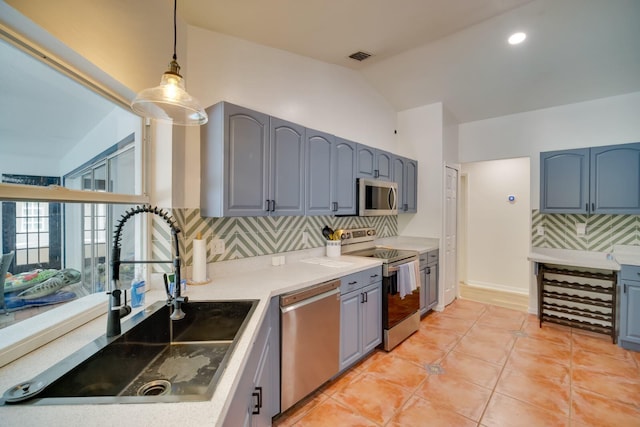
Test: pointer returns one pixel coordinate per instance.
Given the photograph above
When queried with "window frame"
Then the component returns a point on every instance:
(30, 334)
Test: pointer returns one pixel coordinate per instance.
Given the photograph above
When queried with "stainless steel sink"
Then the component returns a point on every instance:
(155, 359)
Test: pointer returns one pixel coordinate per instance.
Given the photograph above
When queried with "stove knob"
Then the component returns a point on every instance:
(371, 232)
(344, 236)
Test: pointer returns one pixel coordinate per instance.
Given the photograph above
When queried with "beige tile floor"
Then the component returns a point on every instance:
(481, 365)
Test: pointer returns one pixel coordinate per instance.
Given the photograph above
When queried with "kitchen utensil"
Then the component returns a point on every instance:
(327, 232)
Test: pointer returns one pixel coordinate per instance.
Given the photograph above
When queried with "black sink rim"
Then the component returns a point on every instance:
(64, 366)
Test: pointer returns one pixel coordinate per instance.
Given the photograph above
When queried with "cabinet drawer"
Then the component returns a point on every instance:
(630, 272)
(355, 281)
(428, 258)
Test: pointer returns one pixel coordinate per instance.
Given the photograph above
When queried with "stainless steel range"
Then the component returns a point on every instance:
(400, 304)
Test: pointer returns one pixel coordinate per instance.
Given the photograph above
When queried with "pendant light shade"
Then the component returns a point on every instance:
(169, 102)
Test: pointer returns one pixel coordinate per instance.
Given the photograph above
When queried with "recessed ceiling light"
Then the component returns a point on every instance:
(517, 38)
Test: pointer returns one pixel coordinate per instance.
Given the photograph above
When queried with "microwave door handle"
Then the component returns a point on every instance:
(393, 196)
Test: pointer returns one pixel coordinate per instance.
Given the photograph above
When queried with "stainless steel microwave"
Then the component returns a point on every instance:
(377, 198)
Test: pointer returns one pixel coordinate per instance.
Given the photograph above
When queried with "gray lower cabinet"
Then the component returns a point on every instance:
(596, 180)
(257, 398)
(330, 168)
(360, 315)
(250, 164)
(629, 324)
(405, 174)
(429, 281)
(374, 163)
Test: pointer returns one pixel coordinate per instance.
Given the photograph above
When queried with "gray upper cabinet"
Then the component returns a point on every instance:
(320, 180)
(250, 164)
(331, 188)
(615, 179)
(344, 171)
(598, 180)
(374, 163)
(564, 181)
(405, 174)
(287, 185)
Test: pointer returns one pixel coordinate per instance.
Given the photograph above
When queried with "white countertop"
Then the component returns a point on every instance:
(419, 244)
(261, 283)
(621, 255)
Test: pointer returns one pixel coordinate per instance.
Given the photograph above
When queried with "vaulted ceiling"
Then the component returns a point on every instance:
(452, 51)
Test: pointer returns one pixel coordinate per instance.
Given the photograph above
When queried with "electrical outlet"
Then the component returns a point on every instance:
(218, 246)
(581, 229)
(305, 238)
(540, 230)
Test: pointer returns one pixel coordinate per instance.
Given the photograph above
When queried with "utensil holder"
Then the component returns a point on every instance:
(333, 248)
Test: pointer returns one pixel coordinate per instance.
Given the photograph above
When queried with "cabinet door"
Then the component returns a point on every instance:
(615, 179)
(424, 289)
(384, 165)
(411, 187)
(564, 181)
(630, 312)
(366, 162)
(350, 337)
(372, 317)
(320, 177)
(287, 168)
(344, 172)
(432, 295)
(399, 172)
(247, 161)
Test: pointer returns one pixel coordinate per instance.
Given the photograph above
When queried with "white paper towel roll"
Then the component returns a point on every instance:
(199, 272)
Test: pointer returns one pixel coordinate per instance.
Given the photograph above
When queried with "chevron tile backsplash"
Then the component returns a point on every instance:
(602, 231)
(254, 236)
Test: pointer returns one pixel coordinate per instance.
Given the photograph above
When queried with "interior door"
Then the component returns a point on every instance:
(451, 236)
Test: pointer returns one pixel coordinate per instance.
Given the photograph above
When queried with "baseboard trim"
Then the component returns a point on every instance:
(499, 297)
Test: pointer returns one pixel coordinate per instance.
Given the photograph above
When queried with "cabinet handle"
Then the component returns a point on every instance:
(267, 204)
(624, 289)
(273, 206)
(257, 394)
(405, 207)
(593, 207)
(428, 270)
(376, 173)
(586, 207)
(353, 283)
(334, 206)
(375, 275)
(362, 298)
(366, 297)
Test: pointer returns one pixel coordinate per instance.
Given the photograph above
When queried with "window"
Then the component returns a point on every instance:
(66, 178)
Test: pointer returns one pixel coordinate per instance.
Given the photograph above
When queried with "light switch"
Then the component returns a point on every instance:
(540, 230)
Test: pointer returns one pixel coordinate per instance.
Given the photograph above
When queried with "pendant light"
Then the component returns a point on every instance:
(170, 101)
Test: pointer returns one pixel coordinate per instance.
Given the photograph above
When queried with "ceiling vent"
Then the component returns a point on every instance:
(360, 56)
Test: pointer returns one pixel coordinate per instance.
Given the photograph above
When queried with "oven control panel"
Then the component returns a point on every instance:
(358, 235)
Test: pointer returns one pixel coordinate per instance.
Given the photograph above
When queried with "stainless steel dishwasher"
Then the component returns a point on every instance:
(310, 321)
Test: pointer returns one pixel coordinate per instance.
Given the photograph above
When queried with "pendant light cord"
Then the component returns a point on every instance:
(175, 31)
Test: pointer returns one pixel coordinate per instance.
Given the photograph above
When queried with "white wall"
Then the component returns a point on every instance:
(497, 239)
(606, 121)
(420, 136)
(314, 94)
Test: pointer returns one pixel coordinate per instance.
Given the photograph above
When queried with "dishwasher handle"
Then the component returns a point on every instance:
(300, 298)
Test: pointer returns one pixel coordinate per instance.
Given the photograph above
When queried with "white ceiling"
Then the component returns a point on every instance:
(452, 51)
(424, 51)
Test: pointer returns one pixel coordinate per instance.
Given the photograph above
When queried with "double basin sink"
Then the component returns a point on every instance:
(155, 359)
